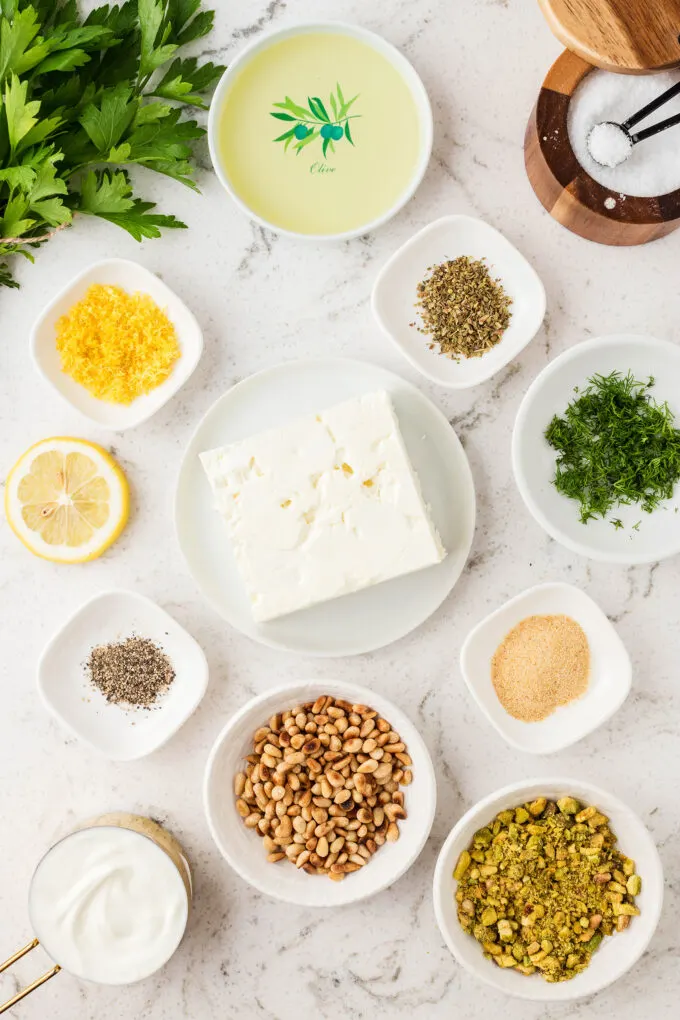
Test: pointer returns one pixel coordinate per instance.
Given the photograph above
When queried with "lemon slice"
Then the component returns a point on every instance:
(67, 500)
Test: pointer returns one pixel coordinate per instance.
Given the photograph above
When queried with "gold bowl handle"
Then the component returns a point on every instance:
(35, 984)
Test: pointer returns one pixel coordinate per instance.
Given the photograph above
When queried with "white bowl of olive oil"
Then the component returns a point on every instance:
(320, 130)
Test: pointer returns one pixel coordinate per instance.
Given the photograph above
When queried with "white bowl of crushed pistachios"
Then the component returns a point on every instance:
(522, 897)
(320, 793)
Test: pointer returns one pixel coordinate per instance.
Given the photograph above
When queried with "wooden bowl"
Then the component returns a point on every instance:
(567, 191)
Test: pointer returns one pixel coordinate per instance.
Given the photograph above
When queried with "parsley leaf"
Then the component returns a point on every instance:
(184, 81)
(154, 28)
(20, 115)
(109, 195)
(106, 123)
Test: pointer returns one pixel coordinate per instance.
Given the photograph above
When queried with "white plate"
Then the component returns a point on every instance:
(395, 295)
(242, 848)
(534, 460)
(132, 277)
(610, 669)
(354, 623)
(120, 734)
(617, 953)
(376, 42)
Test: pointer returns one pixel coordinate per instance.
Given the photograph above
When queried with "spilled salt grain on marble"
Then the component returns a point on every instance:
(653, 167)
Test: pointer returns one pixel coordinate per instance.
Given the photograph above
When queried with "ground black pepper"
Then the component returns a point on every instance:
(133, 672)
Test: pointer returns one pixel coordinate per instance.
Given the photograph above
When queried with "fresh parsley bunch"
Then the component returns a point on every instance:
(83, 99)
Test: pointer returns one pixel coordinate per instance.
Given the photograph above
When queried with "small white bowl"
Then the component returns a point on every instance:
(616, 955)
(395, 295)
(120, 734)
(132, 277)
(610, 669)
(533, 460)
(242, 848)
(402, 65)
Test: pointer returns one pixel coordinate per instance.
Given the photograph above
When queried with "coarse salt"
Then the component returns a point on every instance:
(653, 166)
(609, 144)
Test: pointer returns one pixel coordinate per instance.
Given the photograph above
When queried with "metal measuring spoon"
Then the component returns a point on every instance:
(610, 144)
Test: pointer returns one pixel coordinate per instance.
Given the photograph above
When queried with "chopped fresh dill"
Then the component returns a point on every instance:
(616, 446)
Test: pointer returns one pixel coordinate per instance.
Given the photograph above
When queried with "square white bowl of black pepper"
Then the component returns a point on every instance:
(122, 675)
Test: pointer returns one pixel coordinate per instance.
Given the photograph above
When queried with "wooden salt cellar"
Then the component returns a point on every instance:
(625, 36)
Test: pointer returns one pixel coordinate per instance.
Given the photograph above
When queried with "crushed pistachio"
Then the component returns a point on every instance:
(543, 884)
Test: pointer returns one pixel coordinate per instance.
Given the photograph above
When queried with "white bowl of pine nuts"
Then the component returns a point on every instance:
(300, 788)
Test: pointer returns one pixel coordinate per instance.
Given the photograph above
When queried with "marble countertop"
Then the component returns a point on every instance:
(245, 956)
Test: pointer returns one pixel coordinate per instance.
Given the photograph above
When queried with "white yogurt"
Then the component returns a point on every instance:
(108, 905)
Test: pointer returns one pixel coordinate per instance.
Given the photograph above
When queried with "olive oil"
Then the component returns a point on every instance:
(319, 133)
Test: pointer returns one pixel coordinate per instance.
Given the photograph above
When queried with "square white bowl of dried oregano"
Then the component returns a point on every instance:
(479, 271)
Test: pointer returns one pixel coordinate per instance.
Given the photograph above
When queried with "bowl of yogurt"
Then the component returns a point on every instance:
(109, 903)
(320, 130)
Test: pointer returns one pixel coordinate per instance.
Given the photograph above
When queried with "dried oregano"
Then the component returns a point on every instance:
(463, 309)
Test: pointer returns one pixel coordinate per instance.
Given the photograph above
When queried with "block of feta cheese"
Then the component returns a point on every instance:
(324, 506)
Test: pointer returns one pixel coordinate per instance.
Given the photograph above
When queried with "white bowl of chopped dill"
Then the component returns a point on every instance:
(596, 449)
(116, 343)
(544, 922)
(459, 301)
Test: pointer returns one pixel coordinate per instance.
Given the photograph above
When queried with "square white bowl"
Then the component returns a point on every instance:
(395, 295)
(121, 734)
(132, 277)
(610, 669)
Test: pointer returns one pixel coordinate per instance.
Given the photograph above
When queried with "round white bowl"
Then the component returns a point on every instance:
(242, 848)
(402, 65)
(616, 954)
(644, 538)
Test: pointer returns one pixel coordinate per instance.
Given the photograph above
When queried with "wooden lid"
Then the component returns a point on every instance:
(629, 36)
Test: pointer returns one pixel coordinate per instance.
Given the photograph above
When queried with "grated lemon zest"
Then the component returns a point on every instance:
(117, 345)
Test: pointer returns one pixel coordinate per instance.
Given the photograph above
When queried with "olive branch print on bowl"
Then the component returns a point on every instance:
(313, 121)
